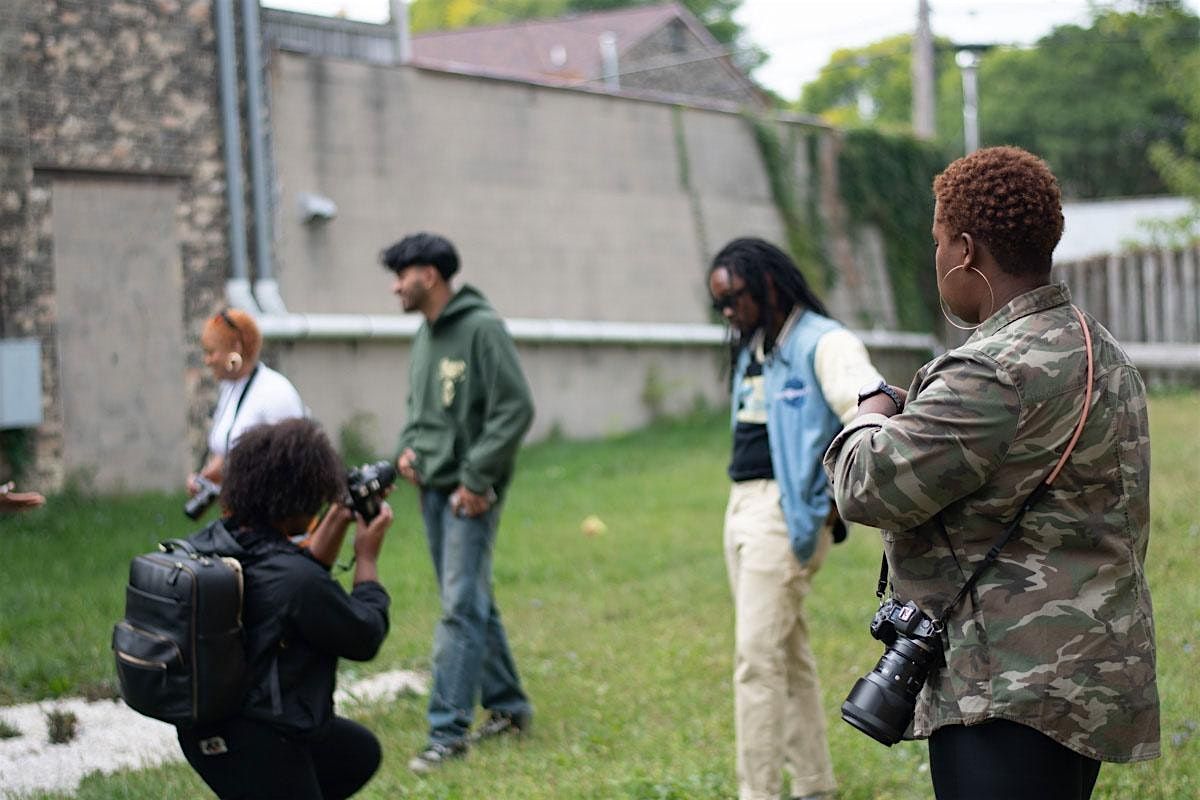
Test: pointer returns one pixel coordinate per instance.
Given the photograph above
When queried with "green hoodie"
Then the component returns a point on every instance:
(468, 402)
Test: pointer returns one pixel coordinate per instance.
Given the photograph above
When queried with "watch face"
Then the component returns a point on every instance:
(871, 388)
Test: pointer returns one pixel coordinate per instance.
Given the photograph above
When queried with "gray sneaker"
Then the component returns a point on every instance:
(434, 755)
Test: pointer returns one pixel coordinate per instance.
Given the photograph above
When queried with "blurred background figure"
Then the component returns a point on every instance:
(469, 406)
(796, 375)
(250, 393)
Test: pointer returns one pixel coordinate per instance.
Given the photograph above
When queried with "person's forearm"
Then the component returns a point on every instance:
(214, 470)
(365, 570)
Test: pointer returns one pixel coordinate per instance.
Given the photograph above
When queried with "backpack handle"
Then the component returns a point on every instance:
(170, 545)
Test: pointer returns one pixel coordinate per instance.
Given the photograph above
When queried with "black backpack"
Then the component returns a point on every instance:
(180, 650)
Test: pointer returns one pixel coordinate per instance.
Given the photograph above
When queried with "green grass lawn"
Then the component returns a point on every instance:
(623, 639)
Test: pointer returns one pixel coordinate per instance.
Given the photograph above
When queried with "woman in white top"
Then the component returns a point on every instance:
(249, 392)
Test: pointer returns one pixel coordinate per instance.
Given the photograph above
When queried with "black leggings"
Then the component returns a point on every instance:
(1002, 760)
(260, 764)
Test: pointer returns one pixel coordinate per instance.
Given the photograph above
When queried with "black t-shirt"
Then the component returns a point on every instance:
(751, 447)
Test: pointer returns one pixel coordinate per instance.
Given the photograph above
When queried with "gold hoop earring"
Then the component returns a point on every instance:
(234, 362)
(991, 299)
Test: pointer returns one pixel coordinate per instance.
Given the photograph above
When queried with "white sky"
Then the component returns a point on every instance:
(801, 35)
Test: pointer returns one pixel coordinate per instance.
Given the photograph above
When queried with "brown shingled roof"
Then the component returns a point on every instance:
(561, 50)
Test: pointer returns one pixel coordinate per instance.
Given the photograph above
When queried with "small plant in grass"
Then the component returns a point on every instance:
(8, 731)
(105, 689)
(63, 725)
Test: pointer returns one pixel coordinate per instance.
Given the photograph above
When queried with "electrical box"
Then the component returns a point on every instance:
(20, 383)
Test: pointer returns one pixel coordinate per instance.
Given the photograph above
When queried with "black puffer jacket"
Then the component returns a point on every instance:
(298, 622)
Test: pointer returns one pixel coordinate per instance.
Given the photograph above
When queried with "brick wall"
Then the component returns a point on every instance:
(125, 88)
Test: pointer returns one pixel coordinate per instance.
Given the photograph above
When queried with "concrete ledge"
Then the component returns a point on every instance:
(287, 327)
(1161, 355)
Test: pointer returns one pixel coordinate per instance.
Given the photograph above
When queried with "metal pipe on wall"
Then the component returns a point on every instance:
(266, 289)
(238, 286)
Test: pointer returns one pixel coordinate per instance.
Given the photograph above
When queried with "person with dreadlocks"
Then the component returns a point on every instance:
(797, 376)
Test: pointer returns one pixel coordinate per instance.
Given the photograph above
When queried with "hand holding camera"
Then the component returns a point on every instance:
(366, 486)
(206, 493)
(368, 539)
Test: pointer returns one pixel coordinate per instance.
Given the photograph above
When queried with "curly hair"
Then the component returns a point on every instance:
(281, 471)
(1009, 200)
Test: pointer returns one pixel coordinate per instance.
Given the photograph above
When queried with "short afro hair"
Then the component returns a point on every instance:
(1009, 200)
(422, 249)
(280, 471)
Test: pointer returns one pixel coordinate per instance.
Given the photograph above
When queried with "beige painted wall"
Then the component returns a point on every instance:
(120, 331)
(563, 205)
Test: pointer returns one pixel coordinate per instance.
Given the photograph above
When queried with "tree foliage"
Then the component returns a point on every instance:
(1104, 104)
(1179, 165)
(443, 15)
(1090, 100)
(886, 180)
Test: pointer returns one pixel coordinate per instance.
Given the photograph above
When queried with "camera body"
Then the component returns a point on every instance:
(882, 702)
(198, 503)
(366, 486)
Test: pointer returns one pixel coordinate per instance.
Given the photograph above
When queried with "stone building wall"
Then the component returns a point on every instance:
(118, 91)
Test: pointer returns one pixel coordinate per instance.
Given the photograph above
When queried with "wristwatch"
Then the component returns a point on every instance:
(880, 387)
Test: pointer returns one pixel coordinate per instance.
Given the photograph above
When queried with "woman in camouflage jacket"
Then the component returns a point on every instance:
(1050, 658)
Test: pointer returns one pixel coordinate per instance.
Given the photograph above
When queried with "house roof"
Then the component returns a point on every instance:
(564, 50)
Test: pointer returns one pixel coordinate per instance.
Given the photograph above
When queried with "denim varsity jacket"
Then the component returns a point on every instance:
(800, 424)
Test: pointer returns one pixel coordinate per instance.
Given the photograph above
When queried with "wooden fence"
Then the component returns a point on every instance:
(1149, 300)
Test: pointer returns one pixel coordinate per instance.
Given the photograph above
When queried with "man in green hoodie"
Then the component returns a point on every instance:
(469, 406)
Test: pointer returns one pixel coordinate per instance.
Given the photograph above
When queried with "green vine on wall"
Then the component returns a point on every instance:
(685, 182)
(886, 181)
(805, 239)
(16, 453)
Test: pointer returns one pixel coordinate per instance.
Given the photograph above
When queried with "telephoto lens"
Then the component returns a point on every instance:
(882, 702)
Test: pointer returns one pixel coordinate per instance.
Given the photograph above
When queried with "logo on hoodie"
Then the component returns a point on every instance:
(450, 372)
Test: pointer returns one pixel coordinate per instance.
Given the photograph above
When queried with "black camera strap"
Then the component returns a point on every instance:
(236, 410)
(1013, 527)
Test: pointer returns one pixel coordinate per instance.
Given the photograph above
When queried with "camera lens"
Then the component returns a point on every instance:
(196, 506)
(882, 701)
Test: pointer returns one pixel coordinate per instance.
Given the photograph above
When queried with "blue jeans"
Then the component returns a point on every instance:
(471, 659)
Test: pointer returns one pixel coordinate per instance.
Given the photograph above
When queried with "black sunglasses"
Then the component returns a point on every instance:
(224, 315)
(729, 300)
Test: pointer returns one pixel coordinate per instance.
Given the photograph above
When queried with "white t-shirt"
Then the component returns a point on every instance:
(271, 398)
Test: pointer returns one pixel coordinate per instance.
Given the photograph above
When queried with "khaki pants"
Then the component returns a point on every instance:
(779, 720)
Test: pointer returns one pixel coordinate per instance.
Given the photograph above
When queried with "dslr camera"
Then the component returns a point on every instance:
(366, 486)
(882, 702)
(198, 503)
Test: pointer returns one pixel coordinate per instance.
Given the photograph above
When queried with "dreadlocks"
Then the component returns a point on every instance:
(761, 265)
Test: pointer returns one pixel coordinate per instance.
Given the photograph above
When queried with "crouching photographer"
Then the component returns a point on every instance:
(1011, 484)
(286, 741)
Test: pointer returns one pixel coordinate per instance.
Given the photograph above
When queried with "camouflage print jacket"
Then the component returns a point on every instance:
(1058, 634)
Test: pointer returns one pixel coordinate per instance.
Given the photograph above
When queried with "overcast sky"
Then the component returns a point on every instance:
(801, 35)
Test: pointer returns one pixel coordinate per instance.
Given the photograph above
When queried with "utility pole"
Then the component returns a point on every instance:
(924, 118)
(967, 58)
(399, 14)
